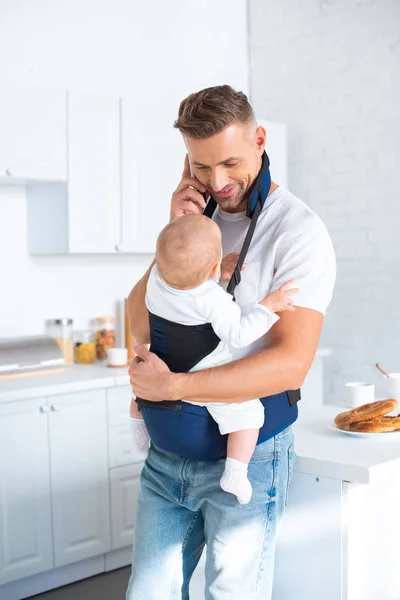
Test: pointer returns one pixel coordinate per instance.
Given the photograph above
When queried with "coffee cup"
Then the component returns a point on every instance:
(117, 357)
(357, 393)
(392, 386)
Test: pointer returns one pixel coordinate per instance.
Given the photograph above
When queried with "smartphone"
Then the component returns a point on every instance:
(205, 195)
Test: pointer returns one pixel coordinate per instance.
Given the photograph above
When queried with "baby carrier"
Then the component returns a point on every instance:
(187, 429)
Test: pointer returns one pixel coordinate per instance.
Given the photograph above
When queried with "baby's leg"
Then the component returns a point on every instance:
(140, 436)
(241, 444)
(234, 480)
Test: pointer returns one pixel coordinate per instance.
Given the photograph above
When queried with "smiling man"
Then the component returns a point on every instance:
(181, 506)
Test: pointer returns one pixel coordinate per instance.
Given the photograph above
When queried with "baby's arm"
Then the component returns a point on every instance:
(239, 330)
(231, 326)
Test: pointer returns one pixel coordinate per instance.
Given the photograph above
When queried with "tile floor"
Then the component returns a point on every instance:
(108, 586)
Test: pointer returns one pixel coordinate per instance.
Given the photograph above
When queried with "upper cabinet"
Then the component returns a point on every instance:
(84, 215)
(33, 134)
(94, 213)
(152, 162)
(122, 156)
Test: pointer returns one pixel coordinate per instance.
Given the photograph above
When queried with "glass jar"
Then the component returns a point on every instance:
(61, 330)
(105, 336)
(85, 347)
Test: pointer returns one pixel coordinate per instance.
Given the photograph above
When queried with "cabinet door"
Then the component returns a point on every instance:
(79, 476)
(93, 173)
(125, 484)
(33, 133)
(118, 402)
(308, 560)
(152, 160)
(25, 509)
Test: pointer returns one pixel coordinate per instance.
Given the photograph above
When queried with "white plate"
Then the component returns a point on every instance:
(386, 434)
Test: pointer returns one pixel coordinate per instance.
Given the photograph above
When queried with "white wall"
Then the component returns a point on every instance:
(330, 70)
(117, 46)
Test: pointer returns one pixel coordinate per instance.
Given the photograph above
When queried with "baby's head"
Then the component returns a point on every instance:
(189, 251)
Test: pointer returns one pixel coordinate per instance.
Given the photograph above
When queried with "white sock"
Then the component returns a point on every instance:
(140, 438)
(234, 480)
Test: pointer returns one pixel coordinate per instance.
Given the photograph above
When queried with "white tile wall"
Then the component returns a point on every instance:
(330, 69)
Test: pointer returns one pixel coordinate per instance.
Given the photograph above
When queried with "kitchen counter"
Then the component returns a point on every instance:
(70, 379)
(327, 453)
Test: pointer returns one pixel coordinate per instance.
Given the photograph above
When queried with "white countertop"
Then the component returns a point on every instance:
(327, 453)
(70, 379)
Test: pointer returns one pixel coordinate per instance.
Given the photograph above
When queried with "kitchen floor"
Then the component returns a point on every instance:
(108, 586)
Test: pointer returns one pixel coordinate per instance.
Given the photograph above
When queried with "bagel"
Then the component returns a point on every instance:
(378, 425)
(366, 412)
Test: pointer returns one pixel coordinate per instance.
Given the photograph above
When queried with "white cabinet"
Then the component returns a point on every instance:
(85, 215)
(25, 509)
(119, 433)
(125, 484)
(124, 475)
(33, 142)
(152, 161)
(79, 478)
(93, 173)
(311, 542)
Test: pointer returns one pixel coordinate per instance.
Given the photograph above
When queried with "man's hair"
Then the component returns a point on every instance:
(205, 113)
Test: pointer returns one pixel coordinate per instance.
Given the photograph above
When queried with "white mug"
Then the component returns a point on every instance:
(357, 393)
(392, 386)
(117, 357)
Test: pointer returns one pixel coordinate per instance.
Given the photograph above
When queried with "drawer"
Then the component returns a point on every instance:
(118, 401)
(119, 446)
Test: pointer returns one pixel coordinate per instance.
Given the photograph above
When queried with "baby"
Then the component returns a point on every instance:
(183, 288)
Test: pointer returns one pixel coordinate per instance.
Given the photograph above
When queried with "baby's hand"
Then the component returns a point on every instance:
(228, 265)
(281, 299)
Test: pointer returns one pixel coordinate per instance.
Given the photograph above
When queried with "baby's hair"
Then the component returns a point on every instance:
(187, 250)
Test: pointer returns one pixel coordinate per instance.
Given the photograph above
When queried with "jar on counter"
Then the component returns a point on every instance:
(85, 347)
(105, 336)
(61, 330)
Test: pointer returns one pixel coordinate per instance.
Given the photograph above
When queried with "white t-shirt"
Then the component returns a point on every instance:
(290, 242)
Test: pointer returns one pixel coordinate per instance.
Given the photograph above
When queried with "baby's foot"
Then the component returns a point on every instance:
(234, 480)
(140, 438)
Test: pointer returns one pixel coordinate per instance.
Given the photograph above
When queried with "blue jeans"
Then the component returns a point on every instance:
(181, 507)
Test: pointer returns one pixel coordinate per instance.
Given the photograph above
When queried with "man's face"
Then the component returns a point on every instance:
(227, 163)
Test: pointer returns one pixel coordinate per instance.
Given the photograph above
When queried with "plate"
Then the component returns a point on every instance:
(385, 434)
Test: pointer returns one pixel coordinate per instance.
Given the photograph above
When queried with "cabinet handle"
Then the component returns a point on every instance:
(55, 407)
(118, 247)
(44, 408)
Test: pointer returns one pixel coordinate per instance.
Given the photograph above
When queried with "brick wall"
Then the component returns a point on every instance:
(330, 69)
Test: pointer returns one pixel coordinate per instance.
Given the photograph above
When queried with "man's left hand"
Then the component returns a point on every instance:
(150, 377)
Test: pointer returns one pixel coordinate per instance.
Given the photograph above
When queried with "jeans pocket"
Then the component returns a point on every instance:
(291, 458)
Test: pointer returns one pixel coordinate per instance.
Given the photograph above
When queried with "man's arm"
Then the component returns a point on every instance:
(137, 310)
(293, 341)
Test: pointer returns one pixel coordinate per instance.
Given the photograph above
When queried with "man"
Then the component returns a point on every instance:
(181, 506)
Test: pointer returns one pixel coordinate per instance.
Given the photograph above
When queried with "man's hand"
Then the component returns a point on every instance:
(228, 265)
(150, 377)
(187, 198)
